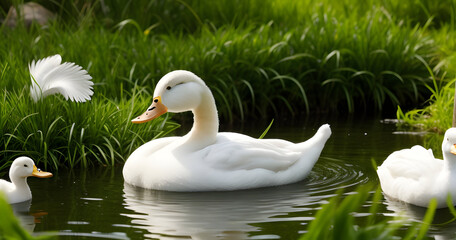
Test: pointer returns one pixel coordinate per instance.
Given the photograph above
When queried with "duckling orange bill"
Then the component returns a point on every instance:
(155, 110)
(453, 149)
(40, 174)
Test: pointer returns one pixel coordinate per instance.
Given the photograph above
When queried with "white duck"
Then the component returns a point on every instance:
(206, 160)
(18, 190)
(415, 176)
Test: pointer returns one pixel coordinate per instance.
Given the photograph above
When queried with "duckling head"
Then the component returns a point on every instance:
(24, 167)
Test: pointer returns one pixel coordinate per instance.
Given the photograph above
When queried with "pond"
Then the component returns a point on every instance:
(96, 204)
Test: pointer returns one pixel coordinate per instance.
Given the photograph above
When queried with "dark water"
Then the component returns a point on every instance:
(95, 203)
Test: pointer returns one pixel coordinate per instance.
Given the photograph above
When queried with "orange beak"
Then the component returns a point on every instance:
(155, 110)
(453, 149)
(41, 174)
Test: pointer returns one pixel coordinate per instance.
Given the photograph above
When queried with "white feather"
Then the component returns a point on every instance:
(50, 76)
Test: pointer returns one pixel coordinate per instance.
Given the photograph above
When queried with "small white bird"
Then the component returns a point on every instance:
(50, 76)
(18, 190)
(415, 176)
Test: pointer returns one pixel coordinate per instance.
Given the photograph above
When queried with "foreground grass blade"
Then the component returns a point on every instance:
(10, 227)
(266, 130)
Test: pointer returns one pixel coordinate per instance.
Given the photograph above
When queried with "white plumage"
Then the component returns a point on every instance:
(415, 176)
(50, 76)
(18, 190)
(208, 160)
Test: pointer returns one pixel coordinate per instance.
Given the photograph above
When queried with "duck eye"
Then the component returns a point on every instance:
(168, 88)
(25, 165)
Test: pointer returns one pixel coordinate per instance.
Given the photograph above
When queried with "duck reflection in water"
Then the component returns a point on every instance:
(443, 224)
(27, 219)
(213, 215)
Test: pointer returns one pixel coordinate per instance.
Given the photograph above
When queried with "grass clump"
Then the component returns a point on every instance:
(190, 16)
(336, 220)
(325, 60)
(57, 133)
(437, 112)
(437, 116)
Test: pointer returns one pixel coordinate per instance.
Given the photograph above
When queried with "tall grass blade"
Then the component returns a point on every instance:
(266, 130)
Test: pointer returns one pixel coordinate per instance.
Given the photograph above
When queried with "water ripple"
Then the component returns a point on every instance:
(331, 174)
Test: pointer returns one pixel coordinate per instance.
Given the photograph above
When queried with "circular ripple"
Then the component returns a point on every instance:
(332, 174)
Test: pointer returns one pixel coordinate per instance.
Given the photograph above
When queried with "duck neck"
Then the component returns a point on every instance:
(20, 183)
(450, 162)
(205, 123)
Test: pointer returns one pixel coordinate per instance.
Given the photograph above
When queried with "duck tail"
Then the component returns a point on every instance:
(324, 132)
(317, 142)
(310, 150)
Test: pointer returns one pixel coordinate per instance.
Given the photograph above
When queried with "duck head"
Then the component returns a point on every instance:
(177, 91)
(449, 142)
(24, 167)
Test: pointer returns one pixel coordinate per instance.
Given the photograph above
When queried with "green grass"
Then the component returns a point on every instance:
(336, 220)
(327, 62)
(191, 15)
(260, 58)
(437, 112)
(57, 133)
(437, 116)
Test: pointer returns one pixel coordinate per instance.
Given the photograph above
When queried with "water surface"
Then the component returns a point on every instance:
(96, 204)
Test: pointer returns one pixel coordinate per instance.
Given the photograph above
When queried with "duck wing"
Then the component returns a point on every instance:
(234, 151)
(49, 77)
(6, 186)
(411, 163)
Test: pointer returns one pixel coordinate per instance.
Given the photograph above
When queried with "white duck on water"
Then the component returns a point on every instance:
(18, 190)
(206, 160)
(415, 176)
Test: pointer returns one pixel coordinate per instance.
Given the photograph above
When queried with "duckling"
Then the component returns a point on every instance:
(18, 190)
